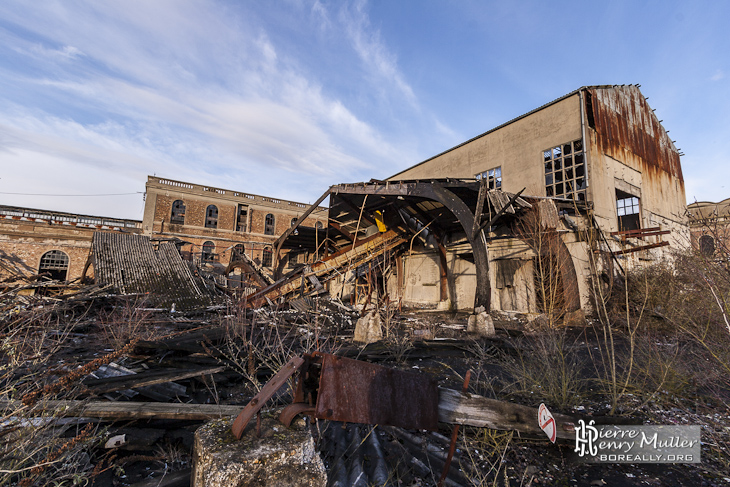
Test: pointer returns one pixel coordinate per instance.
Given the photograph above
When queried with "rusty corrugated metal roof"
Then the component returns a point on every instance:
(133, 265)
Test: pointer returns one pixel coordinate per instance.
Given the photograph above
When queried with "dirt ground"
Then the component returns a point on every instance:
(514, 365)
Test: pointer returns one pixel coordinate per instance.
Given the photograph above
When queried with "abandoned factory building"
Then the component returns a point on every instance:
(468, 227)
(519, 218)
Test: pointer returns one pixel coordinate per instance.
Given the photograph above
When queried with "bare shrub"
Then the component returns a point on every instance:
(130, 320)
(547, 366)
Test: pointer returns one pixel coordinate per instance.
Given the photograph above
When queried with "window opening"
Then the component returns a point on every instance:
(318, 225)
(54, 264)
(493, 177)
(211, 217)
(269, 224)
(293, 258)
(707, 245)
(238, 251)
(241, 218)
(628, 211)
(177, 215)
(208, 255)
(266, 258)
(565, 173)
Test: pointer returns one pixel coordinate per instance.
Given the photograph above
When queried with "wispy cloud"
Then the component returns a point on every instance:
(372, 51)
(203, 93)
(719, 74)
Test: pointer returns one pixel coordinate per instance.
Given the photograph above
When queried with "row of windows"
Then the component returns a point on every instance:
(565, 172)
(177, 217)
(208, 253)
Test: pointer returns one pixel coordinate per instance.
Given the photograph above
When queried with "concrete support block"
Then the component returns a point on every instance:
(444, 305)
(281, 457)
(368, 329)
(480, 323)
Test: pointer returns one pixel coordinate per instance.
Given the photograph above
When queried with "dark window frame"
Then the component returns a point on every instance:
(211, 216)
(269, 224)
(177, 213)
(207, 252)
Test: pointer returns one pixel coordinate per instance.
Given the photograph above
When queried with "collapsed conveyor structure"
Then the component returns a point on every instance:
(368, 219)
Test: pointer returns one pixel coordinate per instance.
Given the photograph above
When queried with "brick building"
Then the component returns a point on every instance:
(709, 227)
(215, 223)
(52, 243)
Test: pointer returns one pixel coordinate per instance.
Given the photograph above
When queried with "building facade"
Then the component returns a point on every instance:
(710, 227)
(215, 223)
(50, 243)
(602, 150)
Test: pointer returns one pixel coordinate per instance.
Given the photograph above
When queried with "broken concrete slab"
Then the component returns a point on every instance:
(280, 457)
(480, 323)
(368, 329)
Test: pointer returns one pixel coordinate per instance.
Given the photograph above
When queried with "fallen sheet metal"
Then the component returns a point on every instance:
(360, 392)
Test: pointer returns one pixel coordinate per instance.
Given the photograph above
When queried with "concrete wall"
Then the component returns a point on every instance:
(516, 147)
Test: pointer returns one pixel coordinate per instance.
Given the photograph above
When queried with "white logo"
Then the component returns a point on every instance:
(585, 437)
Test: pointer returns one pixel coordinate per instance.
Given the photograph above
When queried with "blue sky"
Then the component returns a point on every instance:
(287, 97)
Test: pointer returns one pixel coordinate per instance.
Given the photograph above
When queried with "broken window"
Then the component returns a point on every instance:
(242, 218)
(707, 245)
(54, 264)
(565, 172)
(627, 209)
(211, 217)
(269, 224)
(208, 253)
(178, 212)
(318, 226)
(266, 258)
(493, 177)
(238, 251)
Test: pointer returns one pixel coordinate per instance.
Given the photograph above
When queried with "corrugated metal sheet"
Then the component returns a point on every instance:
(624, 121)
(132, 264)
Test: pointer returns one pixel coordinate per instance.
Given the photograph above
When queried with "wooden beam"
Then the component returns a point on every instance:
(147, 378)
(469, 409)
(124, 410)
(498, 214)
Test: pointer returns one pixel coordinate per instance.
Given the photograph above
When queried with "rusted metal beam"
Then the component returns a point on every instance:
(636, 231)
(280, 241)
(342, 231)
(266, 393)
(639, 249)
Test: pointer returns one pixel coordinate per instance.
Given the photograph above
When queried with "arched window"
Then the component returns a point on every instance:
(178, 212)
(238, 252)
(318, 225)
(208, 253)
(293, 221)
(54, 264)
(211, 217)
(707, 245)
(266, 259)
(269, 224)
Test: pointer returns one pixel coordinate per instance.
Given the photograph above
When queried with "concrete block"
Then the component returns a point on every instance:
(368, 329)
(480, 323)
(281, 457)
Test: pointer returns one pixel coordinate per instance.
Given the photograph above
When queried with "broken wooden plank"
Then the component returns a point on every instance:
(147, 378)
(130, 410)
(469, 409)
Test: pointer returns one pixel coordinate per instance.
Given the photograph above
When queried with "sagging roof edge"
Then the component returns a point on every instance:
(572, 93)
